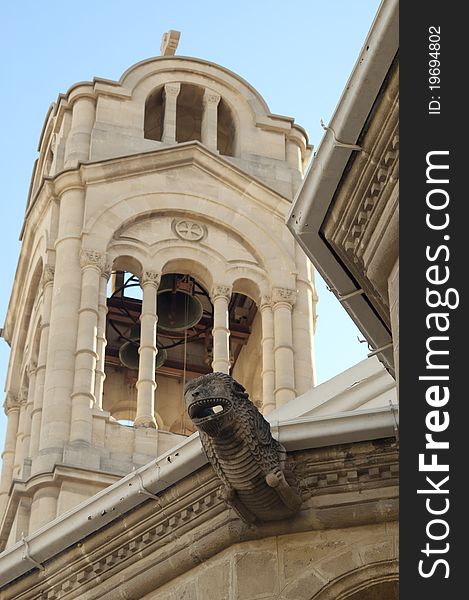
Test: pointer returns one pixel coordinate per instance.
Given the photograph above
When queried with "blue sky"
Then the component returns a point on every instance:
(297, 54)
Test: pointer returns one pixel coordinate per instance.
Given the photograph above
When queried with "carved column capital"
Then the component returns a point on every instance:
(92, 259)
(11, 403)
(48, 275)
(106, 270)
(219, 290)
(211, 98)
(23, 395)
(266, 302)
(283, 295)
(150, 277)
(172, 89)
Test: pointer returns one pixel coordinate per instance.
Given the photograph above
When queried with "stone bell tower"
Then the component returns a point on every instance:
(153, 250)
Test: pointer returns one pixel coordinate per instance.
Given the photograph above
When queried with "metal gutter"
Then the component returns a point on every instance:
(150, 480)
(313, 199)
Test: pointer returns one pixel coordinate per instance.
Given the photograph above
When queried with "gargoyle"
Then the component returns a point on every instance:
(239, 445)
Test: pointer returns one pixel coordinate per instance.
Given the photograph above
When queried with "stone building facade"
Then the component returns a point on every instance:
(179, 173)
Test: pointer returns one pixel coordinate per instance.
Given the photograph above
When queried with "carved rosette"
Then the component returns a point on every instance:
(151, 277)
(189, 230)
(221, 291)
(92, 259)
(283, 295)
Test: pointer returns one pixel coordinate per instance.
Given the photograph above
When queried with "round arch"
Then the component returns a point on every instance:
(375, 581)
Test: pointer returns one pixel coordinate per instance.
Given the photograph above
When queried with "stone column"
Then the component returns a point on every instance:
(62, 345)
(83, 400)
(210, 119)
(26, 441)
(101, 337)
(283, 300)
(171, 92)
(268, 360)
(79, 138)
(22, 398)
(304, 314)
(220, 297)
(47, 285)
(12, 411)
(146, 384)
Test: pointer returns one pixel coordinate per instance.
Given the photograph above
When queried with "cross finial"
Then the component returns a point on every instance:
(169, 42)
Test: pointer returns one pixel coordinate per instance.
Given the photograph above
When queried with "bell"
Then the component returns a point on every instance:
(128, 352)
(178, 309)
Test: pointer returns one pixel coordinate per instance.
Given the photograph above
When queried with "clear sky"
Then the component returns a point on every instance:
(298, 54)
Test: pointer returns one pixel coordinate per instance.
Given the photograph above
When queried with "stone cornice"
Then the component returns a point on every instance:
(162, 159)
(361, 210)
(188, 523)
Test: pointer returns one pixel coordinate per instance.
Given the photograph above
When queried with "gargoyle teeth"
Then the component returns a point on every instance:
(207, 407)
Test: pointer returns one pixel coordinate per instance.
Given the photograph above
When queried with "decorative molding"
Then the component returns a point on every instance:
(152, 277)
(221, 291)
(189, 230)
(336, 478)
(362, 223)
(92, 258)
(284, 295)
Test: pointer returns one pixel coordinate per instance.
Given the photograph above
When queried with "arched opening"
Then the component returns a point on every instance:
(154, 115)
(245, 340)
(385, 590)
(226, 130)
(189, 110)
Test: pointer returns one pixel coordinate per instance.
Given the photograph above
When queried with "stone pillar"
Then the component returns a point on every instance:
(60, 370)
(171, 92)
(12, 411)
(43, 507)
(146, 384)
(283, 301)
(220, 297)
(18, 463)
(101, 337)
(268, 360)
(304, 314)
(26, 441)
(210, 119)
(79, 138)
(83, 400)
(47, 285)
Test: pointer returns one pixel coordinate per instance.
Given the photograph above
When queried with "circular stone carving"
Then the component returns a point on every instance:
(189, 230)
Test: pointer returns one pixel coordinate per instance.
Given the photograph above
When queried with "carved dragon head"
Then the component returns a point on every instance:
(211, 400)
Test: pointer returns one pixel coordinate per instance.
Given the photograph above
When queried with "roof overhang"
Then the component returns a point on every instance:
(314, 198)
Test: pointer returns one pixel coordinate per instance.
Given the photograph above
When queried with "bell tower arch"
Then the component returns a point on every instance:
(154, 251)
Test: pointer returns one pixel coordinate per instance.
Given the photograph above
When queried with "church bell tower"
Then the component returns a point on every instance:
(154, 250)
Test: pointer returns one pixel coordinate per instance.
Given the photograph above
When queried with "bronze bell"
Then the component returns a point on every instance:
(128, 352)
(178, 308)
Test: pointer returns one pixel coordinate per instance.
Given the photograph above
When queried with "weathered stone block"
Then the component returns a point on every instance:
(214, 583)
(256, 575)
